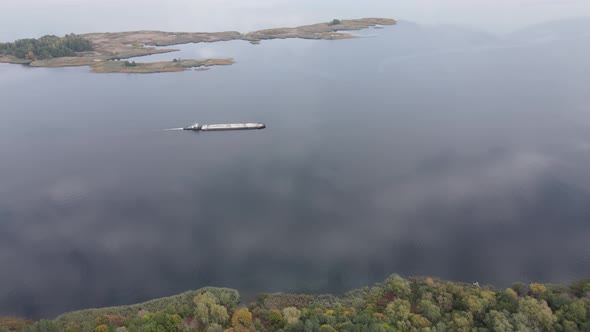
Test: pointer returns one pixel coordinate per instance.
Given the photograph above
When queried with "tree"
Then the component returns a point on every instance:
(575, 312)
(507, 300)
(218, 314)
(334, 22)
(292, 315)
(534, 315)
(241, 317)
(537, 290)
(499, 321)
(208, 311)
(327, 328)
(30, 55)
(520, 289)
(275, 318)
(202, 313)
(46, 47)
(311, 325)
(101, 328)
(429, 310)
(419, 322)
(461, 321)
(43, 326)
(398, 310)
(399, 286)
(215, 328)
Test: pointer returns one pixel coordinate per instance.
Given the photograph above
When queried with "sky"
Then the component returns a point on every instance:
(20, 19)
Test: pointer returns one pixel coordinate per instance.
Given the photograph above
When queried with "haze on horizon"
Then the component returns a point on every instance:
(64, 16)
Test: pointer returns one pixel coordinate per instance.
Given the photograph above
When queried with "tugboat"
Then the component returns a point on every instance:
(228, 126)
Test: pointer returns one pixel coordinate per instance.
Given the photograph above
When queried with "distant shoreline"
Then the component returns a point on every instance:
(110, 48)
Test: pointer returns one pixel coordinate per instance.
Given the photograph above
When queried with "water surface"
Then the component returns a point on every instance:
(418, 150)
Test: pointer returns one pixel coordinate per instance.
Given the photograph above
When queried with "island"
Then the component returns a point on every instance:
(103, 52)
(396, 304)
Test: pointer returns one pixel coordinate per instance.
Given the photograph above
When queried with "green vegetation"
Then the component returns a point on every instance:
(46, 47)
(397, 304)
(334, 22)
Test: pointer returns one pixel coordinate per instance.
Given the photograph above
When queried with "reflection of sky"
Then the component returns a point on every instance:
(37, 17)
(421, 151)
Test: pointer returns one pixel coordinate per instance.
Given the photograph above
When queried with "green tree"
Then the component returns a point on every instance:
(218, 314)
(398, 286)
(499, 321)
(214, 328)
(419, 322)
(575, 312)
(327, 328)
(520, 288)
(429, 310)
(399, 310)
(534, 315)
(461, 321)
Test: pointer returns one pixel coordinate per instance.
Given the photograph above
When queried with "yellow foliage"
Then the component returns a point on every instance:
(30, 56)
(206, 298)
(292, 315)
(101, 328)
(275, 316)
(537, 289)
(511, 293)
(330, 312)
(14, 324)
(419, 322)
(379, 315)
(487, 294)
(429, 281)
(72, 327)
(100, 320)
(327, 328)
(241, 317)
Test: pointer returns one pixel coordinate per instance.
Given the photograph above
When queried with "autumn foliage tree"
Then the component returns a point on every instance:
(241, 317)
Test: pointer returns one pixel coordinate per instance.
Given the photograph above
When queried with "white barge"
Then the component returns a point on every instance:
(228, 126)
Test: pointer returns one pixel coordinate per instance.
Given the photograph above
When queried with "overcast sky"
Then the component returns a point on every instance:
(37, 17)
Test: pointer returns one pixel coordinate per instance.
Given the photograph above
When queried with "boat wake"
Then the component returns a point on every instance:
(169, 129)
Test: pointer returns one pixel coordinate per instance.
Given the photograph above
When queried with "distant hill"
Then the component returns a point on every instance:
(561, 29)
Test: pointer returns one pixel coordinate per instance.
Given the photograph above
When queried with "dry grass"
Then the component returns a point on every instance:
(156, 67)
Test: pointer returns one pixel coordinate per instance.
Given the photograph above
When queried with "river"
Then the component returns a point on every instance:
(416, 149)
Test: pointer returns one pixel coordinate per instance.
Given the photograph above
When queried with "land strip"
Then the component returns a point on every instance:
(109, 48)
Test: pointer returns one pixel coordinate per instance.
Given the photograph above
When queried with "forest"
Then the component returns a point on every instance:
(397, 304)
(46, 47)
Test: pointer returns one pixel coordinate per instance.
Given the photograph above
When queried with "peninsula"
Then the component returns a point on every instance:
(103, 52)
(396, 304)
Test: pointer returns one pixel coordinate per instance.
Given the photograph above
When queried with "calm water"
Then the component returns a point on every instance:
(416, 150)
